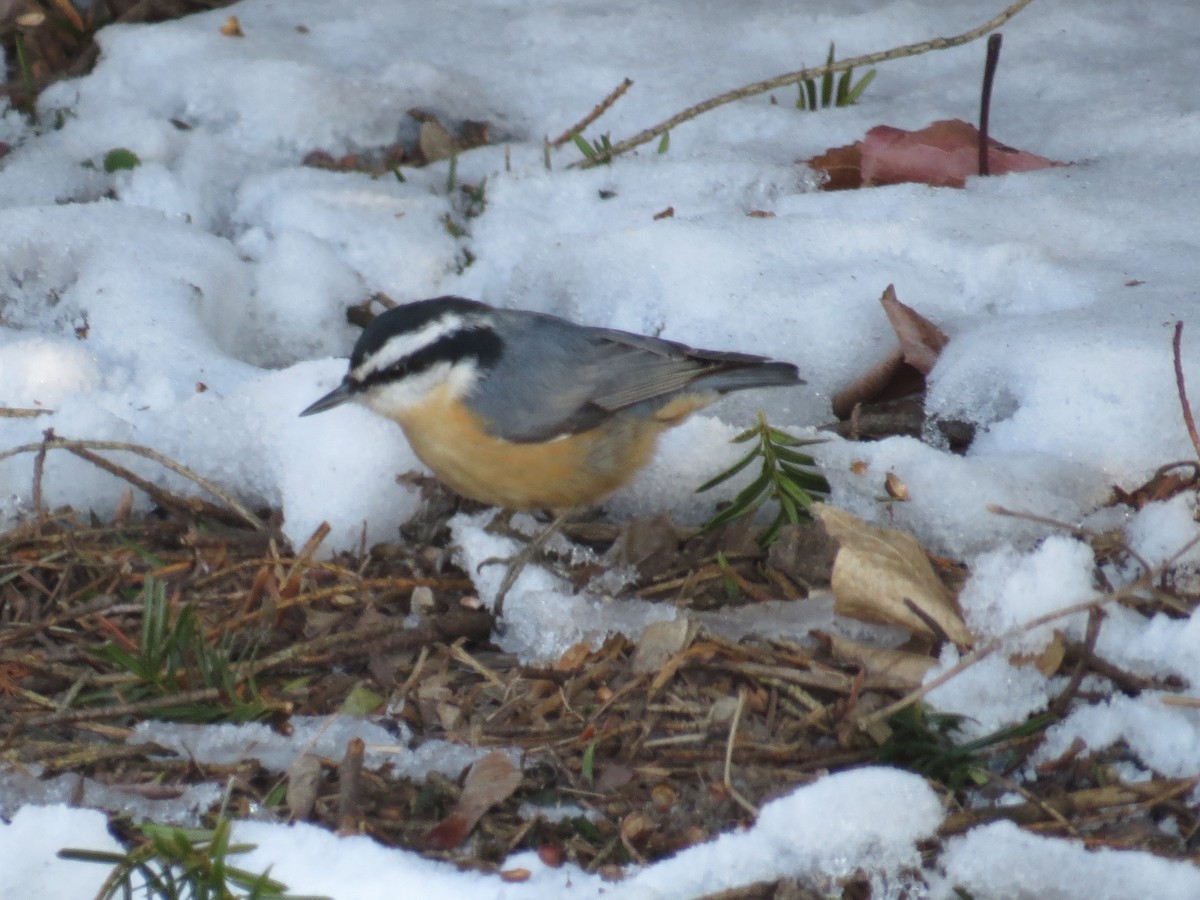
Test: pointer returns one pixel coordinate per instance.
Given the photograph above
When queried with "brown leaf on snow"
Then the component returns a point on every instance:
(902, 371)
(895, 487)
(883, 575)
(491, 780)
(943, 154)
(842, 167)
(1167, 482)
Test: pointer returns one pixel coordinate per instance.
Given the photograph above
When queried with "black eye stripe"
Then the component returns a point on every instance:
(479, 344)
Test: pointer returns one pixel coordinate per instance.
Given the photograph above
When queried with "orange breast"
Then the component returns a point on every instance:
(571, 471)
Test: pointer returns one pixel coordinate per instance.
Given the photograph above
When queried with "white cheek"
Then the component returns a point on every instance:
(462, 378)
(396, 398)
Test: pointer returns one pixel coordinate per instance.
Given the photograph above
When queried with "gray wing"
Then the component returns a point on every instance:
(557, 378)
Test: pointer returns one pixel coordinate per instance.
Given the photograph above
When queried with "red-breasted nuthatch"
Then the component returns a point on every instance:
(526, 410)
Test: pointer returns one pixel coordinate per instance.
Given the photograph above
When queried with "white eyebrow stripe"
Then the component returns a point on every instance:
(400, 346)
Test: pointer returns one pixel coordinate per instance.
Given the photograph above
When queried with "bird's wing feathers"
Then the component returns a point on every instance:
(563, 379)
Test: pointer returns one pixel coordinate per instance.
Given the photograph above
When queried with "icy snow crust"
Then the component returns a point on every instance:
(196, 304)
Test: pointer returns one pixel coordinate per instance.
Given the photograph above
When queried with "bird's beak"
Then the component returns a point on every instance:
(336, 397)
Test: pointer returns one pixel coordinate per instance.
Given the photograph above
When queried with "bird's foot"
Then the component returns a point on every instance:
(518, 561)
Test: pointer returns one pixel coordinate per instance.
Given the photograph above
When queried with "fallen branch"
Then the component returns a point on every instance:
(161, 496)
(761, 87)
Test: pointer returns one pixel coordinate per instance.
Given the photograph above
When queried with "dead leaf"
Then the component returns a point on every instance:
(635, 830)
(231, 27)
(573, 657)
(901, 372)
(303, 780)
(474, 134)
(943, 154)
(903, 671)
(1167, 482)
(649, 544)
(878, 572)
(921, 342)
(491, 780)
(841, 166)
(895, 487)
(659, 642)
(803, 553)
(1048, 661)
(435, 141)
(124, 507)
(613, 776)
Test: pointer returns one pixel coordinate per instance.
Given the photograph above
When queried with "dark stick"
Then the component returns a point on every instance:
(985, 102)
(350, 813)
(39, 470)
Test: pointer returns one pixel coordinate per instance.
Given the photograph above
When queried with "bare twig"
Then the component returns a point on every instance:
(1083, 534)
(17, 412)
(1143, 583)
(1181, 386)
(600, 109)
(1058, 706)
(988, 648)
(350, 807)
(82, 448)
(733, 729)
(761, 87)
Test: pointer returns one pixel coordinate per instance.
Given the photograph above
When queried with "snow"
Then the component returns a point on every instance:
(793, 836)
(1026, 866)
(195, 304)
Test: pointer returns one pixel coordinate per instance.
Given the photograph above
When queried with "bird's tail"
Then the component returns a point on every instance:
(740, 377)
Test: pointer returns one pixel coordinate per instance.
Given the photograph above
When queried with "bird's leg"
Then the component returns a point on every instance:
(519, 560)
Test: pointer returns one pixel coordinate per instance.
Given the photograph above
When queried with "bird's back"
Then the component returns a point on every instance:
(556, 378)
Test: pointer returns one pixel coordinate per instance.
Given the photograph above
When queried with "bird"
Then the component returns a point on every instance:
(526, 410)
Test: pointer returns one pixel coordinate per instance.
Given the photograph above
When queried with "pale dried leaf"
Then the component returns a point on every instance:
(303, 780)
(659, 642)
(895, 486)
(878, 569)
(1050, 660)
(901, 670)
(435, 141)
